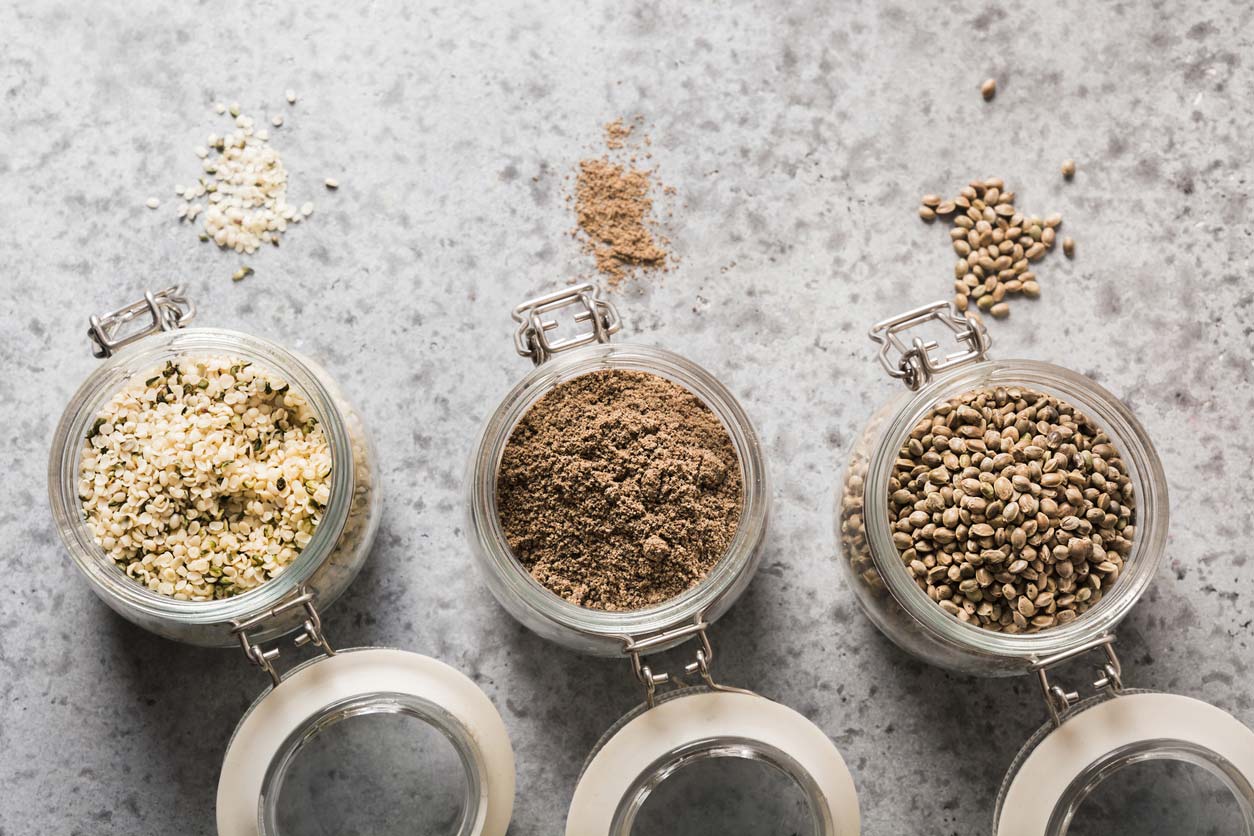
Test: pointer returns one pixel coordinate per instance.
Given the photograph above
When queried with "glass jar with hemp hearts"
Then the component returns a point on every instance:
(198, 476)
(216, 488)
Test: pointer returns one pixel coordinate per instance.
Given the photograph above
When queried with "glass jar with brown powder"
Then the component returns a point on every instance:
(530, 552)
(616, 501)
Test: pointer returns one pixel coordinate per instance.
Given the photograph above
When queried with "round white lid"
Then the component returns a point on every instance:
(1090, 736)
(308, 692)
(678, 724)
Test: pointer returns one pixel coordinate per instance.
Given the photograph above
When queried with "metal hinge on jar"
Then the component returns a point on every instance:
(1109, 676)
(917, 361)
(532, 337)
(311, 632)
(638, 648)
(167, 309)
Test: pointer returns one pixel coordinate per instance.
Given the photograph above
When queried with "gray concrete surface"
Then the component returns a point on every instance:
(798, 139)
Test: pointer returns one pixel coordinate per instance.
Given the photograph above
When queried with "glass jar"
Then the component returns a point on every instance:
(671, 730)
(879, 577)
(339, 544)
(335, 691)
(888, 594)
(588, 630)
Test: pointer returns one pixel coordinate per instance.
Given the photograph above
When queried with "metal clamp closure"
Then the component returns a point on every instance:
(532, 337)
(168, 309)
(1109, 676)
(311, 632)
(916, 363)
(638, 648)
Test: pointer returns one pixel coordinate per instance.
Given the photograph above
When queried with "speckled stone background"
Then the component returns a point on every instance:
(798, 140)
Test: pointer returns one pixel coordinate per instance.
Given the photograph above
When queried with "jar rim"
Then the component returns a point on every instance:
(1138, 452)
(376, 703)
(713, 593)
(104, 382)
(1157, 746)
(689, 724)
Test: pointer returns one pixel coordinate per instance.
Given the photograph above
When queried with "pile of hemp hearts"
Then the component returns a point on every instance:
(204, 478)
(1011, 509)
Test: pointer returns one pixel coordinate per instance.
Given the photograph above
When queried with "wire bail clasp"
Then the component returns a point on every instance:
(638, 648)
(169, 309)
(311, 632)
(532, 337)
(916, 362)
(1109, 676)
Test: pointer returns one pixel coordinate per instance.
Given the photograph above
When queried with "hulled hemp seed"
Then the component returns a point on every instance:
(204, 478)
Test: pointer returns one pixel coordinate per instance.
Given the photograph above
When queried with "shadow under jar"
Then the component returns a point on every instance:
(339, 695)
(886, 588)
(690, 724)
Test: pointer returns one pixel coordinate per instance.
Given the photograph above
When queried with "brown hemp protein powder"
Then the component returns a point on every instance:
(619, 490)
(614, 207)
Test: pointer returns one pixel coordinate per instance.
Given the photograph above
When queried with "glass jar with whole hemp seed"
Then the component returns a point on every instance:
(1000, 518)
(193, 458)
(707, 723)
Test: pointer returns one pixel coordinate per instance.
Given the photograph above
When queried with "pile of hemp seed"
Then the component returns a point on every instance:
(1011, 509)
(996, 245)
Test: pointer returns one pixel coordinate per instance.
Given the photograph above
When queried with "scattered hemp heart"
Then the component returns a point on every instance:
(619, 490)
(204, 478)
(988, 89)
(242, 191)
(152, 203)
(995, 243)
(1011, 509)
(1068, 169)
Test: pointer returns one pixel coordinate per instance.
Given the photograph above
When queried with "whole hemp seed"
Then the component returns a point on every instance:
(1011, 509)
(996, 245)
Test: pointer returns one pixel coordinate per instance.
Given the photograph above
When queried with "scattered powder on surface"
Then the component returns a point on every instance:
(617, 133)
(614, 206)
(619, 490)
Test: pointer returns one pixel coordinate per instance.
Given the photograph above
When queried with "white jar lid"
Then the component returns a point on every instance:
(1092, 737)
(662, 735)
(316, 691)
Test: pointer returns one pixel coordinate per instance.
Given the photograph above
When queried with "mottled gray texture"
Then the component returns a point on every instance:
(799, 141)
